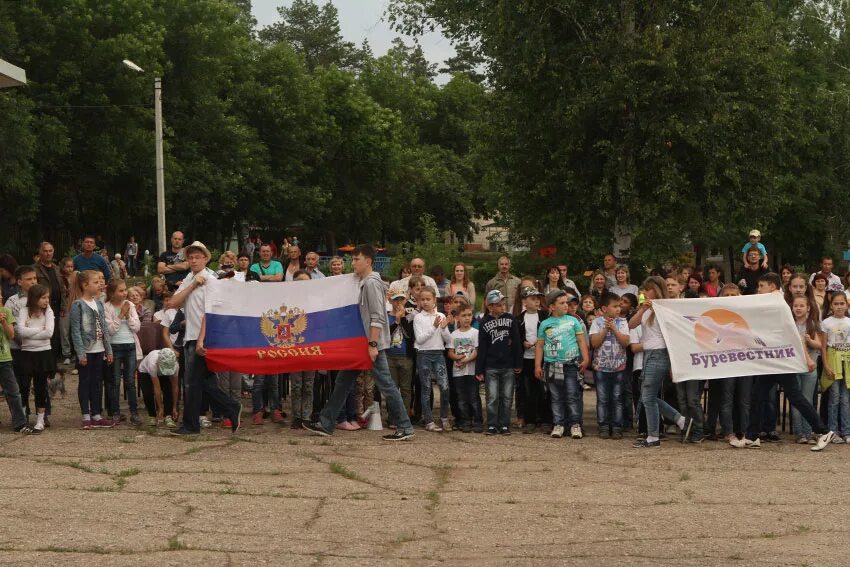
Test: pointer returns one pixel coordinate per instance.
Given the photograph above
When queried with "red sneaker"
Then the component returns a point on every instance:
(85, 424)
(102, 423)
(226, 423)
(277, 416)
(258, 418)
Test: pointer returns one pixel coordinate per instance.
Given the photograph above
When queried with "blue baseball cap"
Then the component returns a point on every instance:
(495, 296)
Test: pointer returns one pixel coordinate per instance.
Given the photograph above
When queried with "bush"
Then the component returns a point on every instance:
(432, 249)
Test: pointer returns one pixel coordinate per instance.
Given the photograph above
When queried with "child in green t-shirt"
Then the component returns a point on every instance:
(561, 355)
(7, 373)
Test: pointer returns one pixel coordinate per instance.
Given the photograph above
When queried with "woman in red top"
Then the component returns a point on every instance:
(712, 285)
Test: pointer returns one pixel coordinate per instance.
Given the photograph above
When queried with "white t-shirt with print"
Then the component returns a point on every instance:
(465, 343)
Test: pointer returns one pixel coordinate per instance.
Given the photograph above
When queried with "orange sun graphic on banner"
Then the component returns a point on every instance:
(721, 329)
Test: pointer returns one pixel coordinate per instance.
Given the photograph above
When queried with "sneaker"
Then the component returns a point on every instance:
(837, 440)
(731, 437)
(696, 440)
(225, 423)
(433, 427)
(604, 434)
(236, 420)
(529, 428)
(135, 420)
(466, 429)
(616, 434)
(823, 441)
(490, 431)
(74, 372)
(257, 418)
(847, 439)
(24, 429)
(644, 444)
(150, 421)
(67, 361)
(85, 424)
(575, 431)
(478, 428)
(296, 423)
(345, 426)
(686, 430)
(773, 437)
(116, 420)
(182, 433)
(755, 444)
(802, 440)
(277, 416)
(447, 426)
(205, 422)
(354, 426)
(316, 428)
(505, 431)
(38, 427)
(169, 422)
(558, 431)
(398, 436)
(103, 423)
(742, 443)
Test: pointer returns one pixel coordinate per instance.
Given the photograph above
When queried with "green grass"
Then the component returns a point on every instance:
(128, 473)
(339, 469)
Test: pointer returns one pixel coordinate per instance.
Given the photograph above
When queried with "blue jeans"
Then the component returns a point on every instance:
(566, 398)
(499, 386)
(123, 368)
(656, 367)
(90, 387)
(839, 405)
(199, 381)
(609, 400)
(261, 382)
(808, 382)
(383, 380)
(13, 394)
(689, 394)
(431, 365)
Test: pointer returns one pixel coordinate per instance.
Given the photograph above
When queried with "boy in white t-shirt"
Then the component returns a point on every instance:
(609, 337)
(463, 349)
(533, 390)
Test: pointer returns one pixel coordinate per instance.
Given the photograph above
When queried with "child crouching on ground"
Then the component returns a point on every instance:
(159, 365)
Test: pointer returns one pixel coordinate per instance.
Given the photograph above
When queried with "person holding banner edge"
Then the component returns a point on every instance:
(191, 296)
(374, 315)
(770, 283)
(656, 366)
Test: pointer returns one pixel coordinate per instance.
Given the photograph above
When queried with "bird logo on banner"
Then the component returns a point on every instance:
(284, 327)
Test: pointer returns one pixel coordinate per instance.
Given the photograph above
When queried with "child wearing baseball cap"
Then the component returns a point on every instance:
(754, 242)
(499, 359)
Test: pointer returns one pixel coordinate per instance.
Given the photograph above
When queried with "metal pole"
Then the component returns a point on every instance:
(160, 168)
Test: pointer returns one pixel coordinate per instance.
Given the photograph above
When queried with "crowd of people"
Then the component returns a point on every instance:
(536, 346)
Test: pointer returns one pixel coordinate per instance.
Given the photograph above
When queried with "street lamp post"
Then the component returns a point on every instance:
(160, 167)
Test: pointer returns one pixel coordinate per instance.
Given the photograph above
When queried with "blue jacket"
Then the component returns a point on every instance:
(83, 329)
(96, 262)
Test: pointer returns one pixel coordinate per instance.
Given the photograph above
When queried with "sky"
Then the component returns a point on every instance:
(363, 19)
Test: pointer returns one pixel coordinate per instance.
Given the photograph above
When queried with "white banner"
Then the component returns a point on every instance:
(723, 337)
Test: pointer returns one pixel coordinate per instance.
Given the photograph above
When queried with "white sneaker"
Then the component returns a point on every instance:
(66, 362)
(755, 444)
(847, 439)
(447, 425)
(39, 426)
(823, 441)
(558, 431)
(575, 431)
(75, 371)
(169, 422)
(837, 440)
(742, 443)
(205, 422)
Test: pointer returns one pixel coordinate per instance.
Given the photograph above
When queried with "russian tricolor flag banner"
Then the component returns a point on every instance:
(271, 328)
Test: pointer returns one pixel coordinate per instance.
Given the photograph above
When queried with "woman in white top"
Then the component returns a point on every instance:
(623, 286)
(37, 363)
(656, 366)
